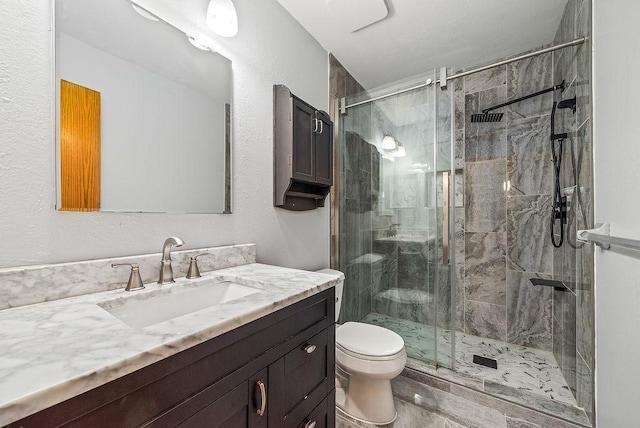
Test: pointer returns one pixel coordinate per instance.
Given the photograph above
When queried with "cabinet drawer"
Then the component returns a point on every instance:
(308, 364)
(300, 380)
(323, 416)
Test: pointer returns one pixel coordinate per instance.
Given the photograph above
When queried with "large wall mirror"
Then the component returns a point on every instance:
(143, 116)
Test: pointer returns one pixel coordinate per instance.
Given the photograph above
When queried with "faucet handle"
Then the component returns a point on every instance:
(193, 271)
(135, 280)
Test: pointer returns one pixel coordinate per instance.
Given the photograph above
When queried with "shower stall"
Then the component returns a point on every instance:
(443, 224)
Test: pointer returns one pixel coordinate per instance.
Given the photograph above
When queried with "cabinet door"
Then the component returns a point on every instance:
(303, 132)
(229, 411)
(259, 399)
(237, 408)
(324, 149)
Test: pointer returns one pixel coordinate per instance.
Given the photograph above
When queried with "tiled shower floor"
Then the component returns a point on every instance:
(523, 374)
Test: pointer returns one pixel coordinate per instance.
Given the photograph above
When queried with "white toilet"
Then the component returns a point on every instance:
(369, 356)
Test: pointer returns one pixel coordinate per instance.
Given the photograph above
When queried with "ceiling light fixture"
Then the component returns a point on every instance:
(144, 13)
(197, 44)
(222, 18)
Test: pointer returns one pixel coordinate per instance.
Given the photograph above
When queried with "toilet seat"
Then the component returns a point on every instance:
(369, 341)
(346, 351)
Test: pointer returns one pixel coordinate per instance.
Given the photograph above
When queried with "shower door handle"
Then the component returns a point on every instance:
(445, 218)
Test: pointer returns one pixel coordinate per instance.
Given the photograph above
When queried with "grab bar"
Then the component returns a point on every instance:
(601, 236)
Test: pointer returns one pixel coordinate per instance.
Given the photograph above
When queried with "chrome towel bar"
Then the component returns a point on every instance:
(601, 236)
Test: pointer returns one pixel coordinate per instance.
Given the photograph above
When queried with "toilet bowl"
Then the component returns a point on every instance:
(368, 356)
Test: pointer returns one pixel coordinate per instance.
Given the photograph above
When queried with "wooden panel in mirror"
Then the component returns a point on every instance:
(79, 147)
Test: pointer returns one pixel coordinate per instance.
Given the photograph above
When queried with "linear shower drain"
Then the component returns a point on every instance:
(484, 361)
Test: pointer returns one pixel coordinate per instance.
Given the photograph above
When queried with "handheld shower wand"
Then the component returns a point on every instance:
(559, 205)
(569, 103)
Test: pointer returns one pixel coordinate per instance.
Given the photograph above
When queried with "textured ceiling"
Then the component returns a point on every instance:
(419, 35)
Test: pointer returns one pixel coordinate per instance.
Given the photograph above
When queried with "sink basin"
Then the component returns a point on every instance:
(174, 301)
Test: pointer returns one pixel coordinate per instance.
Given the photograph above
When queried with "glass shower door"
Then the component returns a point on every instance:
(393, 157)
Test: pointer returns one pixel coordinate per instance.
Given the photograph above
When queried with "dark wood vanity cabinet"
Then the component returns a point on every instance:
(303, 152)
(291, 353)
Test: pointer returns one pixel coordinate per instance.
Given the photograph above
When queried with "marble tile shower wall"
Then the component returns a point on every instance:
(356, 213)
(573, 317)
(508, 197)
(508, 182)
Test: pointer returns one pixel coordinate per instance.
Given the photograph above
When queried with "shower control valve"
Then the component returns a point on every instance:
(560, 210)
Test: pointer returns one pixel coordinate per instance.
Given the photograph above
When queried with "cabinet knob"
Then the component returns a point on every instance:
(310, 348)
(310, 424)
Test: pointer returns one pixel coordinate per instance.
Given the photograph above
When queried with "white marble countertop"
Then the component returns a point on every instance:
(50, 352)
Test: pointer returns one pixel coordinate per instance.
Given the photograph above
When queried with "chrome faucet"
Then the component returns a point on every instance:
(166, 271)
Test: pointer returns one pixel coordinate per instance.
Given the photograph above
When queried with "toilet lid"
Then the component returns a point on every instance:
(367, 339)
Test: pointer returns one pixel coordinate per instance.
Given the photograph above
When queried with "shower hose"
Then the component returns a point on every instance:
(557, 205)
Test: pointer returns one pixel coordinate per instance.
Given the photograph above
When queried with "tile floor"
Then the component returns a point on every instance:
(526, 370)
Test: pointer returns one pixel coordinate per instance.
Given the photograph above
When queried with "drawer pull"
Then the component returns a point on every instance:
(263, 398)
(310, 348)
(310, 424)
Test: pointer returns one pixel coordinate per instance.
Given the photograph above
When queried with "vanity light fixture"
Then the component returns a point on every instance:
(144, 13)
(389, 143)
(222, 18)
(400, 152)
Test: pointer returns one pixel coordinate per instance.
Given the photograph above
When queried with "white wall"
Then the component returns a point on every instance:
(270, 48)
(158, 136)
(616, 86)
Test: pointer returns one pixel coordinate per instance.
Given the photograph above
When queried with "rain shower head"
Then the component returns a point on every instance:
(486, 117)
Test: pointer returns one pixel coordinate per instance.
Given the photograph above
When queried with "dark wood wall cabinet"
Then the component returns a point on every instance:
(276, 372)
(303, 152)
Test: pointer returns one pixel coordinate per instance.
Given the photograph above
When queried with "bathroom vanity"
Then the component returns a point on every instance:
(265, 359)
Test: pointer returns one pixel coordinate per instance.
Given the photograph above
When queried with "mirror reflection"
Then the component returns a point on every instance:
(143, 114)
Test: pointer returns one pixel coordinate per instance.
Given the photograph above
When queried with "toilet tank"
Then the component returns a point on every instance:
(339, 287)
